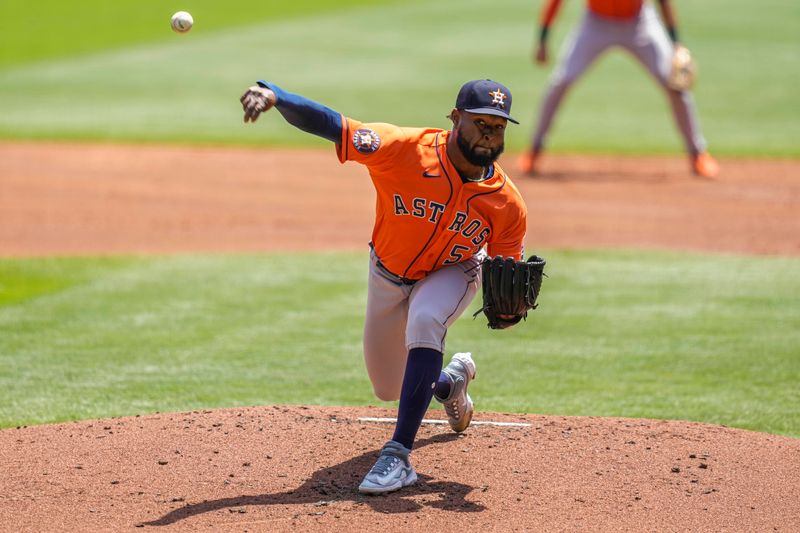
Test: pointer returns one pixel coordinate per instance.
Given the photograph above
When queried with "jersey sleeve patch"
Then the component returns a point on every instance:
(366, 141)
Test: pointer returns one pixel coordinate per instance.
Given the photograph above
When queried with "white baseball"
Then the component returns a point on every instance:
(181, 22)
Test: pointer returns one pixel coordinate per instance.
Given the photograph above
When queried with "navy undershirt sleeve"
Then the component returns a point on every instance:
(306, 114)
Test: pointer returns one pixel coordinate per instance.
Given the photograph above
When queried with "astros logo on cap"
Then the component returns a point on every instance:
(498, 97)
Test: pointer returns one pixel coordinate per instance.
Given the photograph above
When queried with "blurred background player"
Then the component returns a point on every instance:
(634, 26)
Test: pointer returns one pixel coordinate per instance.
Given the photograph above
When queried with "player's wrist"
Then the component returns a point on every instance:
(274, 92)
(543, 32)
(673, 34)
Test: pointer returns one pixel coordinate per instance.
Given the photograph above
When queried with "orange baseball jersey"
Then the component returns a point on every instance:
(618, 9)
(425, 216)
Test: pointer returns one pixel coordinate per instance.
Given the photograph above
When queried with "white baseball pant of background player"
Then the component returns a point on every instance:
(643, 36)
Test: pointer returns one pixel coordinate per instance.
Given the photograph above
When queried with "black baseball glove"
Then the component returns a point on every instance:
(510, 289)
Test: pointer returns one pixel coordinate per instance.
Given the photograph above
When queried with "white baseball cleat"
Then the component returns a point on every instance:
(458, 405)
(391, 472)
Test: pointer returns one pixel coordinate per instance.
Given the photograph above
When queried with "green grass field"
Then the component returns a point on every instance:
(657, 335)
(98, 70)
(56, 29)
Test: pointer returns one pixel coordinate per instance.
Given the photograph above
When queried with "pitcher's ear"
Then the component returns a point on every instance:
(454, 116)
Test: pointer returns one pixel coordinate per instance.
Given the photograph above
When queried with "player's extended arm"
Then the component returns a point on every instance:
(669, 19)
(548, 14)
(299, 111)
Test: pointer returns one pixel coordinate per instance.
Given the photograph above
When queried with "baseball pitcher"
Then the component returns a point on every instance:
(443, 202)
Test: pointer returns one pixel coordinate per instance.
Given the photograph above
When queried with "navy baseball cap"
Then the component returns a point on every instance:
(487, 97)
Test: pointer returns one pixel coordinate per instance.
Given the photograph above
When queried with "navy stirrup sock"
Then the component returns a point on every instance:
(423, 368)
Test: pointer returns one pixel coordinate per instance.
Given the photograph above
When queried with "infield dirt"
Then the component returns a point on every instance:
(277, 468)
(71, 199)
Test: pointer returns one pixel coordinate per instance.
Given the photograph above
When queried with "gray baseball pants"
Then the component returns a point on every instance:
(401, 317)
(645, 38)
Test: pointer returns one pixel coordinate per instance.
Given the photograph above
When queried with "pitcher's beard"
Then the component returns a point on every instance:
(478, 159)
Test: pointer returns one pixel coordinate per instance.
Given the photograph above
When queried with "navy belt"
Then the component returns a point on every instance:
(391, 276)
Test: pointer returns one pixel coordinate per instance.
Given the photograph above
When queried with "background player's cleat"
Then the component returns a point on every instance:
(458, 405)
(526, 164)
(705, 166)
(391, 472)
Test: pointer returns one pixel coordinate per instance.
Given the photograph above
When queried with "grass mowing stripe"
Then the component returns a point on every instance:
(23, 280)
(639, 334)
(60, 29)
(403, 63)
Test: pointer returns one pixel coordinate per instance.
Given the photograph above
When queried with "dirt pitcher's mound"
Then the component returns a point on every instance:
(298, 468)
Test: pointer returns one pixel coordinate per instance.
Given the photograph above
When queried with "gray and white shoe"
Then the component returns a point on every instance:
(391, 472)
(458, 405)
